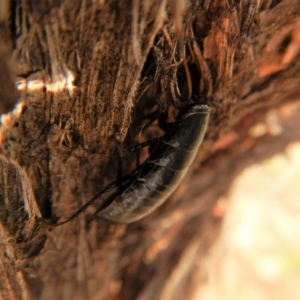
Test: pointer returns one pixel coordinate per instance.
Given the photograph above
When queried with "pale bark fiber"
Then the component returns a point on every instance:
(89, 73)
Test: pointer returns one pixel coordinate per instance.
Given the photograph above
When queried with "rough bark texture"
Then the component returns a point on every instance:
(89, 76)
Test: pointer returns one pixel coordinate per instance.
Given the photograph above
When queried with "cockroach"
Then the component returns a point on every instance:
(169, 159)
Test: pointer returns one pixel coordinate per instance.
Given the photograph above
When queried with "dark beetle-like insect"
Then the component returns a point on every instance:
(168, 161)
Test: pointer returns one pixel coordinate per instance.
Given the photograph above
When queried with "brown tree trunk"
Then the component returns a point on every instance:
(89, 76)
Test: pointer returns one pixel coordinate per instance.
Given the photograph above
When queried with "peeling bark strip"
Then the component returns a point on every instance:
(88, 74)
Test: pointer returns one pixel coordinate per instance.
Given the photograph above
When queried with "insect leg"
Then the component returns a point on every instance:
(163, 124)
(142, 145)
(139, 146)
(107, 189)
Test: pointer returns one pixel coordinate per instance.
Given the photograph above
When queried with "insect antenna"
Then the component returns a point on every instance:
(107, 189)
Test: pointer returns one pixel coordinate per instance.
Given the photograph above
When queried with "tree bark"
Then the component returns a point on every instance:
(91, 77)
